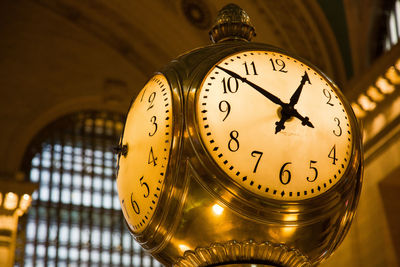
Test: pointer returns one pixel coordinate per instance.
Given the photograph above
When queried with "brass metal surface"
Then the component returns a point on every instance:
(203, 218)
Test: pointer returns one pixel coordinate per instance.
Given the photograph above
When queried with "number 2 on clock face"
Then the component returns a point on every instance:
(274, 125)
(148, 136)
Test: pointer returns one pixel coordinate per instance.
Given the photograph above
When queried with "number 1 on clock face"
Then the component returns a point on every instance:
(274, 125)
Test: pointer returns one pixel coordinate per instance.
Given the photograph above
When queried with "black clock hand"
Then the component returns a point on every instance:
(295, 97)
(289, 111)
(304, 120)
(280, 125)
(265, 93)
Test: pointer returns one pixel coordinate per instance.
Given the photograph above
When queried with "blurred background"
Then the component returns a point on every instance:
(69, 69)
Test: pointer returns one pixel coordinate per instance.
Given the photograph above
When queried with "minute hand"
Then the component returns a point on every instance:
(265, 93)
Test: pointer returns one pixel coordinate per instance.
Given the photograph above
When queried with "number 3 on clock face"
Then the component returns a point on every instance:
(274, 125)
(148, 136)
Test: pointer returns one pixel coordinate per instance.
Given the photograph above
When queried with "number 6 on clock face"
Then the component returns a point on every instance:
(148, 136)
(276, 126)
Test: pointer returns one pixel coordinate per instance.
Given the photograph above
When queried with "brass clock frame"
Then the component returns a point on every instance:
(182, 223)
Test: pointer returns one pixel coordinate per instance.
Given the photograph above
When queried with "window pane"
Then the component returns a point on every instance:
(75, 169)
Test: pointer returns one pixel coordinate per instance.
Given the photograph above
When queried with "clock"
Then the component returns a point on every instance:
(146, 144)
(275, 125)
(239, 153)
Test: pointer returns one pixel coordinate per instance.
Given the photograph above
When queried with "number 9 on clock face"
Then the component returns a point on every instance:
(275, 125)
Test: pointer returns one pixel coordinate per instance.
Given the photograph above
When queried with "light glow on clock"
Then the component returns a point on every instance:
(274, 125)
(148, 137)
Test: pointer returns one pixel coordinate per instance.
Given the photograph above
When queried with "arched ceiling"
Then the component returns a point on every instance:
(59, 56)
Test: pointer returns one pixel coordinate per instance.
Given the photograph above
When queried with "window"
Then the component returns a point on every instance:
(393, 26)
(75, 218)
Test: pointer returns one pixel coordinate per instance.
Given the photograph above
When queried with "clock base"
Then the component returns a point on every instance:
(243, 254)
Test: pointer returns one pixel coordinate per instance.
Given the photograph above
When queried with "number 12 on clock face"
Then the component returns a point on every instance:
(275, 125)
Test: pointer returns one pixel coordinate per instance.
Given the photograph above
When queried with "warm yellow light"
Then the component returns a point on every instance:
(384, 85)
(358, 110)
(1, 198)
(397, 65)
(10, 201)
(217, 209)
(393, 75)
(290, 217)
(183, 247)
(374, 94)
(378, 123)
(25, 202)
(288, 230)
(366, 103)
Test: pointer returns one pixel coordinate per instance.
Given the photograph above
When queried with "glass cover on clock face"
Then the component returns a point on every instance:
(148, 136)
(274, 125)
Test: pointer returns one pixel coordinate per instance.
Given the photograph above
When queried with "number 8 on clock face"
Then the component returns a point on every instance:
(274, 125)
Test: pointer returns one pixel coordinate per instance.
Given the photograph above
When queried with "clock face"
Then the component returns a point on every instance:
(148, 136)
(274, 125)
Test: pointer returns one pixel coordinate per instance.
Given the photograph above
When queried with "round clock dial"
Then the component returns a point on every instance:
(148, 137)
(274, 125)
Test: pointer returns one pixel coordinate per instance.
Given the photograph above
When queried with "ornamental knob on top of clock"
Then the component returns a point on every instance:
(239, 153)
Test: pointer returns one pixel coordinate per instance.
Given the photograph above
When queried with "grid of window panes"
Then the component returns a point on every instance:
(393, 33)
(75, 218)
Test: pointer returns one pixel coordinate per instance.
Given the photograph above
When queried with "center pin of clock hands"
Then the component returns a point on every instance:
(288, 109)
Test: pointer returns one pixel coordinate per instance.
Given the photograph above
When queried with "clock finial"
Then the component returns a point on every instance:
(232, 23)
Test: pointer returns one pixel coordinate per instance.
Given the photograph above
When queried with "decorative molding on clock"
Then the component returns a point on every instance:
(245, 252)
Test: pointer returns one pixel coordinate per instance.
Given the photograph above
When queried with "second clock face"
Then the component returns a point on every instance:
(148, 137)
(274, 125)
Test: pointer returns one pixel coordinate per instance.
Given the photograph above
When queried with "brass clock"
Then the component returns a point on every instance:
(274, 124)
(239, 153)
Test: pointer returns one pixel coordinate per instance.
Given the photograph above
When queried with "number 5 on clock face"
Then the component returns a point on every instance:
(276, 126)
(148, 136)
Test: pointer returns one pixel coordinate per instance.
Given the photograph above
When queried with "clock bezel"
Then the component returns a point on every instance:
(230, 191)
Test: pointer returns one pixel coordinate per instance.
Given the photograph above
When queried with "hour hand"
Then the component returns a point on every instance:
(280, 125)
(264, 92)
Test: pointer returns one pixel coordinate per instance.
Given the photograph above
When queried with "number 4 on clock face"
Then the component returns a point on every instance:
(148, 135)
(275, 125)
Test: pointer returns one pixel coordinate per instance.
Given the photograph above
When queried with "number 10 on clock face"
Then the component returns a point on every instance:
(275, 125)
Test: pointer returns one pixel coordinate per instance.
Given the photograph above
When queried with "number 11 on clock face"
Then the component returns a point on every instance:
(275, 125)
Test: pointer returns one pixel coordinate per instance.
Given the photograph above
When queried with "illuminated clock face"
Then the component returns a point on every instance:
(274, 125)
(148, 137)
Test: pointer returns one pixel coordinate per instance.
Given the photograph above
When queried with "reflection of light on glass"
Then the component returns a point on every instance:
(290, 217)
(384, 85)
(357, 110)
(217, 209)
(374, 94)
(183, 247)
(10, 201)
(366, 103)
(1, 198)
(393, 75)
(288, 230)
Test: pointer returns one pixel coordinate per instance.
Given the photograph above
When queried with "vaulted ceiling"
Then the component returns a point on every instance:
(61, 56)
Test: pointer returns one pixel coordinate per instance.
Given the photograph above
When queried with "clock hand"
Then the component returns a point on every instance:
(304, 120)
(265, 93)
(295, 97)
(280, 125)
(289, 111)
